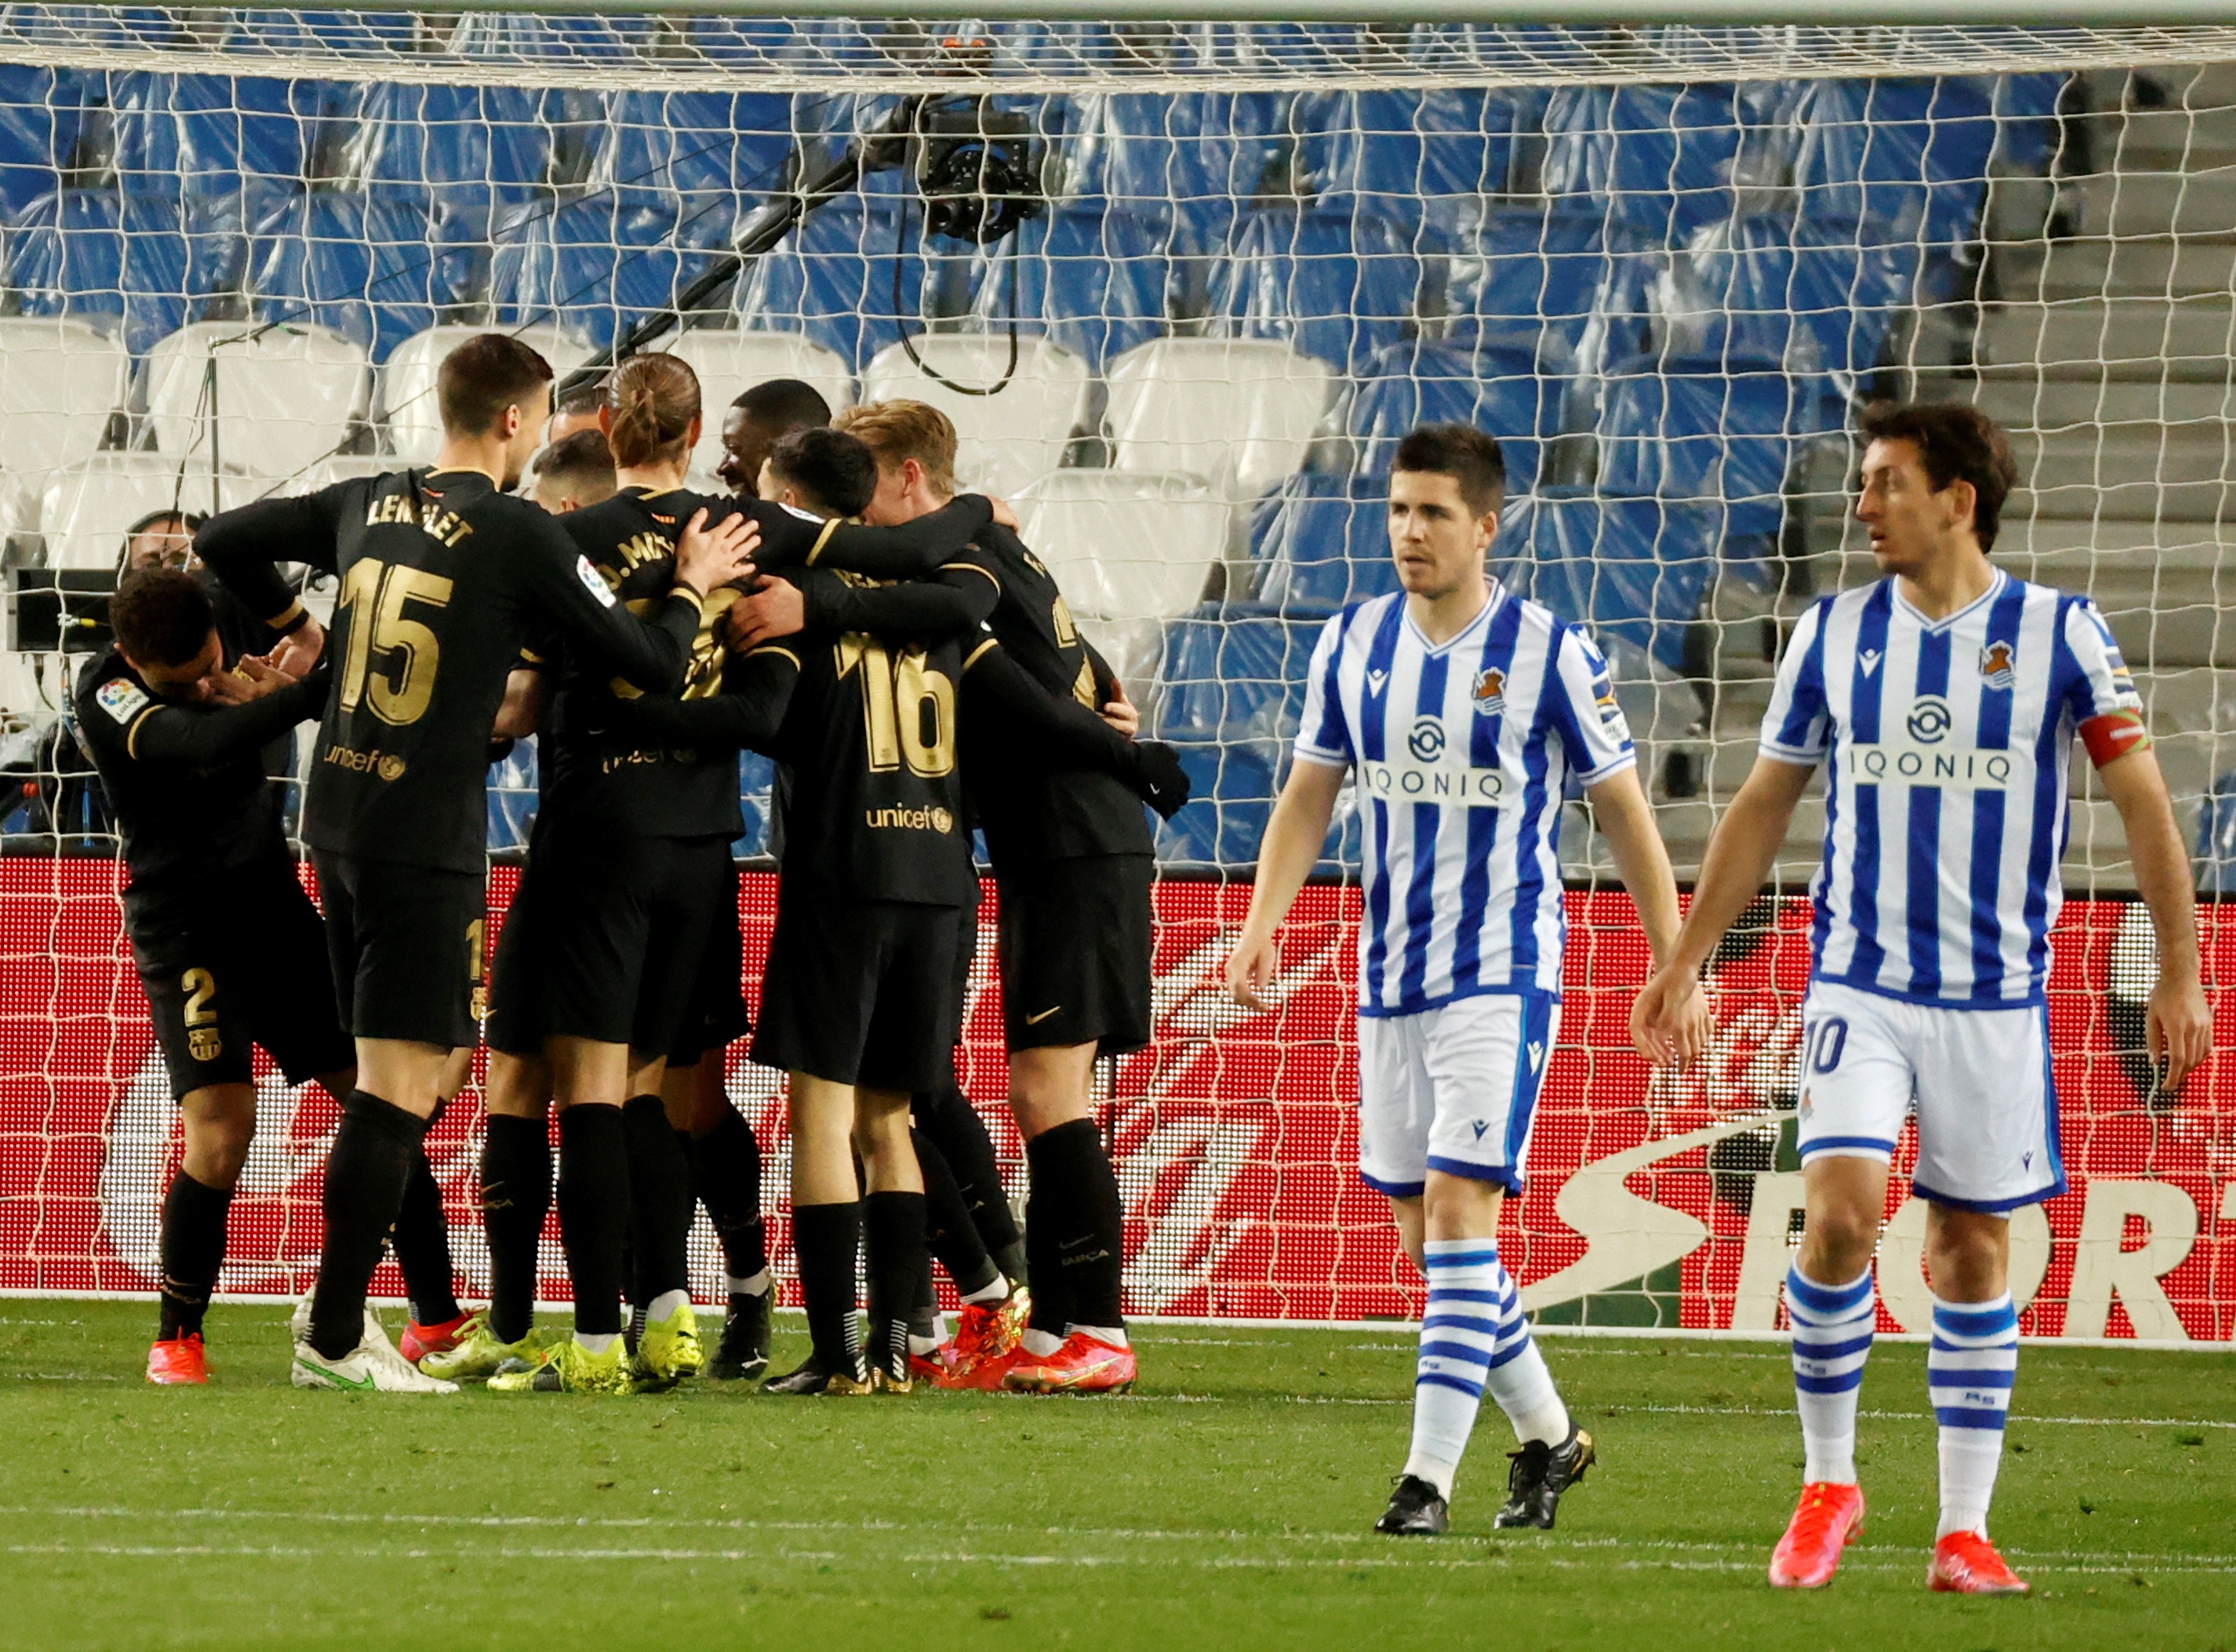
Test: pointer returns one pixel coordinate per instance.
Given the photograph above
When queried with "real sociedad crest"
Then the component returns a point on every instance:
(1998, 665)
(1489, 692)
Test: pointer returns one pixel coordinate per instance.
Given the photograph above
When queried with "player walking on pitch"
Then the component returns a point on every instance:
(1943, 701)
(1463, 710)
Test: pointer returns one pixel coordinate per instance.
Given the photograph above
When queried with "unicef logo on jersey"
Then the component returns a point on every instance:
(1426, 742)
(1929, 719)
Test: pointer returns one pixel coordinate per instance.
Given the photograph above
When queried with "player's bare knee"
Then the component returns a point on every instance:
(218, 1123)
(1967, 1253)
(1838, 1240)
(1460, 1207)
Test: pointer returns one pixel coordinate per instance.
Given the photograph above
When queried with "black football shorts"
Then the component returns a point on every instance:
(622, 925)
(861, 991)
(239, 963)
(1074, 938)
(406, 944)
(515, 1022)
(717, 1017)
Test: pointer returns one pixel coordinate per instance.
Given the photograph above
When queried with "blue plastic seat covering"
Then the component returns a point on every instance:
(756, 799)
(1634, 568)
(1821, 296)
(102, 252)
(1658, 157)
(833, 279)
(1706, 428)
(1321, 542)
(43, 112)
(1097, 282)
(670, 149)
(471, 151)
(513, 794)
(1230, 686)
(1907, 158)
(2216, 839)
(1542, 273)
(367, 268)
(261, 33)
(1194, 157)
(1492, 383)
(594, 266)
(204, 137)
(1337, 286)
(2026, 135)
(1415, 155)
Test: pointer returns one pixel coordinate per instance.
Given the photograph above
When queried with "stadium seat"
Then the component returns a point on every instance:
(1493, 384)
(730, 362)
(87, 506)
(1337, 285)
(1006, 439)
(1130, 549)
(206, 138)
(673, 149)
(2216, 839)
(103, 252)
(596, 267)
(1192, 157)
(469, 151)
(1098, 282)
(756, 801)
(1321, 542)
(43, 113)
(1704, 429)
(1907, 157)
(1658, 157)
(837, 278)
(371, 270)
(60, 381)
(407, 381)
(270, 399)
(1820, 295)
(1408, 154)
(1236, 413)
(1539, 274)
(1631, 569)
(515, 793)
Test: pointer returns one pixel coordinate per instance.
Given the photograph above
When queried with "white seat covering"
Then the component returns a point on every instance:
(730, 361)
(60, 380)
(1004, 440)
(407, 383)
(87, 506)
(1238, 413)
(283, 395)
(1129, 549)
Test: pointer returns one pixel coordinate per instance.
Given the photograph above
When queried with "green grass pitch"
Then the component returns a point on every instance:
(1224, 1504)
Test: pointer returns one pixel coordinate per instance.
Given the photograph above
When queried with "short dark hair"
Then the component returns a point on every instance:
(584, 455)
(585, 396)
(482, 377)
(838, 471)
(162, 617)
(1462, 452)
(785, 404)
(1955, 443)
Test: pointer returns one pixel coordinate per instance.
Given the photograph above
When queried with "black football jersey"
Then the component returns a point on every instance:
(443, 578)
(1030, 811)
(186, 782)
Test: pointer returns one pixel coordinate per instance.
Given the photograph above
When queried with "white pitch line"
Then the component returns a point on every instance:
(1914, 1416)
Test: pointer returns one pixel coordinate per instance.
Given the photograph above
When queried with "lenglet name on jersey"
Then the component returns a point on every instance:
(438, 523)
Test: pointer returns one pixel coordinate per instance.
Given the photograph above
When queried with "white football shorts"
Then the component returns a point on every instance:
(1452, 1089)
(1977, 1079)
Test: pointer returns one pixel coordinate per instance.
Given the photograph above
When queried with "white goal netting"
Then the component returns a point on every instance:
(1664, 265)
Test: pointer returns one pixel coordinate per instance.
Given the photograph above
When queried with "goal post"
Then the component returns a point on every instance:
(1182, 277)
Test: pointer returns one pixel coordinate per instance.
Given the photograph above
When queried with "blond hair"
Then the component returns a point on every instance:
(895, 430)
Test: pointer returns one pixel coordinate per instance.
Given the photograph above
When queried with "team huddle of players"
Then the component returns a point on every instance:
(913, 669)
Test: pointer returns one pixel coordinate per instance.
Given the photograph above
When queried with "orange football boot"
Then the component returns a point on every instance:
(178, 1360)
(420, 1340)
(1084, 1364)
(1965, 1563)
(1828, 1518)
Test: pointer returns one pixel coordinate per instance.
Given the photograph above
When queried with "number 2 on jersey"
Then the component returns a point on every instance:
(374, 594)
(899, 704)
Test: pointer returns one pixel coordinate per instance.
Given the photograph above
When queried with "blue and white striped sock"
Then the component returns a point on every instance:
(1473, 1337)
(1970, 1368)
(1833, 1328)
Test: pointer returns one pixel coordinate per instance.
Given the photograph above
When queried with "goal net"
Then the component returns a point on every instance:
(1224, 268)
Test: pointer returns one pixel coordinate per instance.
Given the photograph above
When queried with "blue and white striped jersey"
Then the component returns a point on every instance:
(1462, 754)
(1945, 805)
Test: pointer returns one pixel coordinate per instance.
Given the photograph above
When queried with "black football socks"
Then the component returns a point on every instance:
(1075, 1229)
(193, 1252)
(594, 1212)
(893, 1232)
(661, 1204)
(726, 1174)
(949, 1231)
(365, 1173)
(422, 1243)
(827, 1240)
(516, 1198)
(946, 1118)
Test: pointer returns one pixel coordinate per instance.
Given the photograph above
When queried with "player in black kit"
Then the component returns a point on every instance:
(230, 950)
(1072, 855)
(442, 575)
